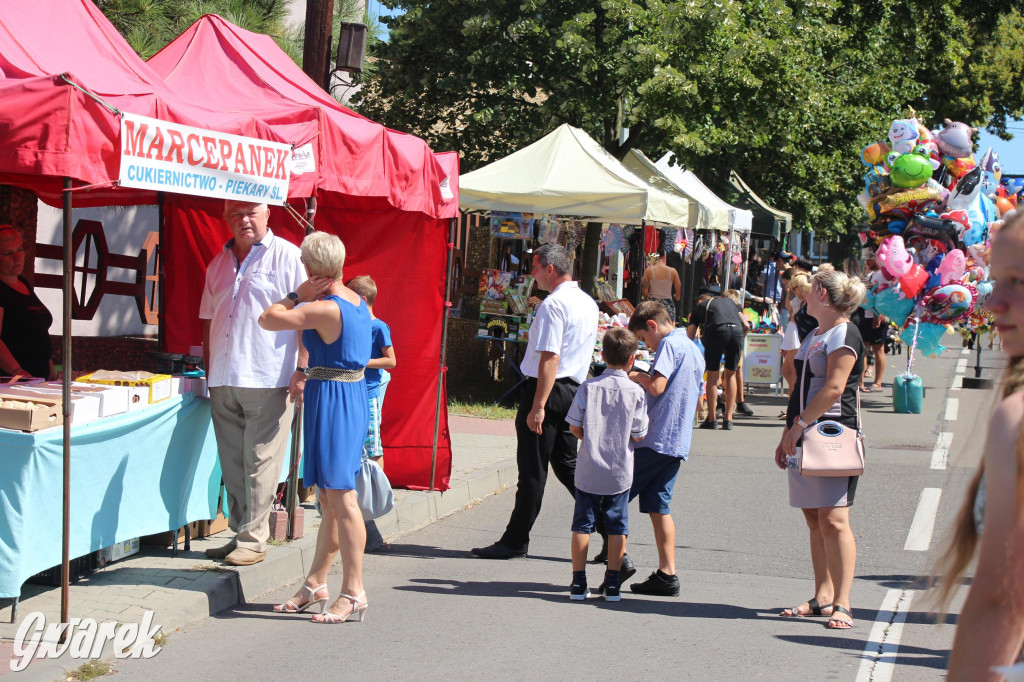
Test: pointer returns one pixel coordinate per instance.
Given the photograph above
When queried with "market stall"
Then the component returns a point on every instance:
(549, 189)
(385, 193)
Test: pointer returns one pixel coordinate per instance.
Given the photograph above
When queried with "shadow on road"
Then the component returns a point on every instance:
(920, 657)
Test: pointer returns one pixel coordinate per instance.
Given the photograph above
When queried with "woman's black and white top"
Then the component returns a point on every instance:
(814, 353)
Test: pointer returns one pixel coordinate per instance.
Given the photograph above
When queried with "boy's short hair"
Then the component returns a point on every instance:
(364, 286)
(618, 346)
(733, 295)
(648, 310)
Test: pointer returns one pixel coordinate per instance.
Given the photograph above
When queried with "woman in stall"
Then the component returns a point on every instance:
(24, 320)
(661, 283)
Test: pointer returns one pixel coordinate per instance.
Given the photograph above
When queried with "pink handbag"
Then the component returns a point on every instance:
(828, 447)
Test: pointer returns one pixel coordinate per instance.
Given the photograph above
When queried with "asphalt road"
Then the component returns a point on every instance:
(436, 612)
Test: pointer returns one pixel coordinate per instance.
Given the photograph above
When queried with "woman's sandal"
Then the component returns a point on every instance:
(359, 607)
(842, 623)
(291, 607)
(816, 608)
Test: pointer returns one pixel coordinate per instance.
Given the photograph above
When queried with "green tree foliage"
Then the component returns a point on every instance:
(784, 92)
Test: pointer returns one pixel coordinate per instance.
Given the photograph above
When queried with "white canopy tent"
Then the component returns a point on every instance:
(567, 173)
(722, 216)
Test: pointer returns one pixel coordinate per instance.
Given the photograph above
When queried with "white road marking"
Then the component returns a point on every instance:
(955, 383)
(923, 526)
(965, 351)
(961, 365)
(940, 455)
(952, 407)
(879, 660)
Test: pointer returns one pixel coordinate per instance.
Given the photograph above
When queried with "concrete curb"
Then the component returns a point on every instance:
(288, 564)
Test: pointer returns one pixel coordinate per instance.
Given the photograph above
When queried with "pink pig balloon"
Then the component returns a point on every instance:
(952, 266)
(893, 257)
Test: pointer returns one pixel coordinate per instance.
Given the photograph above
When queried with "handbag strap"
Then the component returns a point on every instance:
(803, 370)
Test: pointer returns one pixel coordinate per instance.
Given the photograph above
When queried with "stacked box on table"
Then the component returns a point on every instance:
(158, 386)
(197, 529)
(499, 326)
(118, 551)
(113, 399)
(32, 414)
(84, 408)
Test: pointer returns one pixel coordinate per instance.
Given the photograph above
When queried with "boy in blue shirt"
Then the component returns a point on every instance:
(673, 389)
(382, 358)
(606, 411)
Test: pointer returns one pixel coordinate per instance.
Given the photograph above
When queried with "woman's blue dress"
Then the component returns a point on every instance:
(336, 413)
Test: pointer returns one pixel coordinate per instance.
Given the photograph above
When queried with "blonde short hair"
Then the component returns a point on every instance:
(845, 293)
(800, 284)
(324, 255)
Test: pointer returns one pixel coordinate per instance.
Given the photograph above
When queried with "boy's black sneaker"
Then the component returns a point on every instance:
(744, 409)
(659, 585)
(708, 424)
(727, 424)
(578, 591)
(612, 593)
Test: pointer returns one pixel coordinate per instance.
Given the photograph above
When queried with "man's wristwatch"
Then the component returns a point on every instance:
(293, 297)
(801, 423)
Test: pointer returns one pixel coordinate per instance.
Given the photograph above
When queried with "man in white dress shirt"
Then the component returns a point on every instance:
(556, 361)
(250, 372)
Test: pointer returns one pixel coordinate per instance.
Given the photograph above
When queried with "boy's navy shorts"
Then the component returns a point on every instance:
(654, 477)
(614, 509)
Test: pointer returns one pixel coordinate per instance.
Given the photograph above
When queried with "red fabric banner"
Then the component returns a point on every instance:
(405, 253)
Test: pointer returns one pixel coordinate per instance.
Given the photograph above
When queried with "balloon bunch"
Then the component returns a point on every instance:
(931, 210)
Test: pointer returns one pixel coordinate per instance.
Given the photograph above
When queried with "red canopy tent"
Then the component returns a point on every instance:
(389, 198)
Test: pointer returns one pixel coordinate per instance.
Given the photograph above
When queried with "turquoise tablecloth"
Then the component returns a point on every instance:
(133, 474)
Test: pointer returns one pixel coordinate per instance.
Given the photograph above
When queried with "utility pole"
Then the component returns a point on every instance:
(316, 51)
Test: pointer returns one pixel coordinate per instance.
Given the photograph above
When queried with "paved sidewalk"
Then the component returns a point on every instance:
(190, 586)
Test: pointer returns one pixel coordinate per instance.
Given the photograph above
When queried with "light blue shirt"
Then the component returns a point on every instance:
(671, 413)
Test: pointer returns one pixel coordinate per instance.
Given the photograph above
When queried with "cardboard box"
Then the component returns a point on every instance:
(197, 529)
(84, 408)
(113, 399)
(199, 387)
(158, 386)
(118, 551)
(45, 414)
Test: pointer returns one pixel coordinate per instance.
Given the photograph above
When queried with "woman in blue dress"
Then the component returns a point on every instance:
(336, 332)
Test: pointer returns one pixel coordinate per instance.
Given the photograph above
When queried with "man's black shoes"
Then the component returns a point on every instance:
(497, 551)
(659, 585)
(744, 409)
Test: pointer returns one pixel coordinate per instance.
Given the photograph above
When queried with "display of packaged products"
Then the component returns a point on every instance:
(25, 414)
(158, 385)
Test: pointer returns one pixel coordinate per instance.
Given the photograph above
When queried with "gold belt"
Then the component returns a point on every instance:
(334, 374)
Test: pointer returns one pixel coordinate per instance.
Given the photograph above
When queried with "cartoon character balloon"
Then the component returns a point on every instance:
(954, 139)
(952, 266)
(903, 135)
(893, 257)
(911, 170)
(948, 303)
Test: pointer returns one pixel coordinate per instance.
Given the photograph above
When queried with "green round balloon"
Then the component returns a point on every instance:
(910, 170)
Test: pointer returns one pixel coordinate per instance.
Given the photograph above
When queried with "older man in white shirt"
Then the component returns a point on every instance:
(250, 371)
(556, 361)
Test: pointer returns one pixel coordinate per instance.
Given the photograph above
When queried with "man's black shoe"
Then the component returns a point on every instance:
(626, 571)
(727, 424)
(708, 424)
(658, 584)
(744, 409)
(497, 551)
(602, 556)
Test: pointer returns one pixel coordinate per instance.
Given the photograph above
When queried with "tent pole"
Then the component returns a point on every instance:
(444, 344)
(292, 488)
(65, 550)
(727, 261)
(743, 283)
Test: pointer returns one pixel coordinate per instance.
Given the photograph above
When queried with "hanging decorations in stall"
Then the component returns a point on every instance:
(506, 225)
(549, 229)
(932, 209)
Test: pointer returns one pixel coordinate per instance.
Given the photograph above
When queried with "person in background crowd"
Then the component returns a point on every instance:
(874, 327)
(661, 283)
(771, 281)
(741, 403)
(799, 287)
(828, 365)
(555, 362)
(606, 413)
(335, 326)
(722, 324)
(251, 372)
(382, 358)
(673, 389)
(990, 630)
(25, 349)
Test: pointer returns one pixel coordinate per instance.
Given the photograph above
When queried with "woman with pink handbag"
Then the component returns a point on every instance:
(829, 365)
